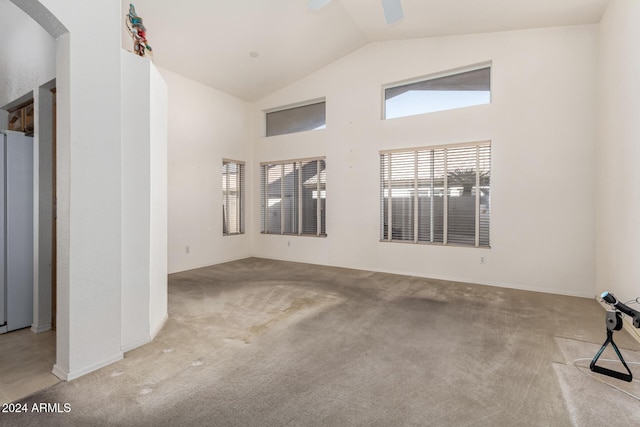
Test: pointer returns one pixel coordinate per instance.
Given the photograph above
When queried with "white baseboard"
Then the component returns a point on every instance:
(69, 376)
(160, 326)
(42, 328)
(59, 372)
(435, 277)
(146, 340)
(136, 344)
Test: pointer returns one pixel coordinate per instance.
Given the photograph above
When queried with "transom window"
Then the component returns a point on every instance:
(293, 197)
(438, 93)
(232, 197)
(437, 195)
(301, 118)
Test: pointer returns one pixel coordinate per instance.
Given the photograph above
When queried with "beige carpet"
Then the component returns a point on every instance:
(267, 343)
(594, 399)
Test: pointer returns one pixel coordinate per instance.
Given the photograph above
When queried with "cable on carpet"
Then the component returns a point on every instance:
(575, 364)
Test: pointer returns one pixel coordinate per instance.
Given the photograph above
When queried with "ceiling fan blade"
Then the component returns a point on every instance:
(392, 10)
(317, 4)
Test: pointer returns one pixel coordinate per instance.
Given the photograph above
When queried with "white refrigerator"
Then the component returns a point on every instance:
(16, 231)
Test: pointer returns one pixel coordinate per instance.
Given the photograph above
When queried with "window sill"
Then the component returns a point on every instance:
(293, 234)
(452, 245)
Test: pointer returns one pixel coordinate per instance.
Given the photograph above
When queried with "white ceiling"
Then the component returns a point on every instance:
(210, 40)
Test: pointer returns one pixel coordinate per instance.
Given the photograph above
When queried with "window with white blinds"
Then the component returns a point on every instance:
(436, 195)
(232, 197)
(293, 197)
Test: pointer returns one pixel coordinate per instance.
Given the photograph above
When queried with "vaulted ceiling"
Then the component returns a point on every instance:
(250, 48)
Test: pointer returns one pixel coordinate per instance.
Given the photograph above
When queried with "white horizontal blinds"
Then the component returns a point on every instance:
(322, 197)
(241, 196)
(289, 205)
(232, 197)
(264, 194)
(294, 197)
(225, 198)
(384, 196)
(433, 195)
(272, 191)
(461, 195)
(309, 201)
(430, 196)
(314, 197)
(402, 195)
(484, 199)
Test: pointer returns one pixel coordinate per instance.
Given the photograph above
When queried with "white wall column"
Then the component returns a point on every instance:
(89, 185)
(144, 201)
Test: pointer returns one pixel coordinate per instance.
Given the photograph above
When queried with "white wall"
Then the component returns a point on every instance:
(542, 124)
(158, 222)
(28, 54)
(205, 126)
(144, 201)
(136, 199)
(618, 195)
(63, 220)
(88, 185)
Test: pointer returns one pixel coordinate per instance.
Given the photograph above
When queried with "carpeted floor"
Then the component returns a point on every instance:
(267, 343)
(592, 399)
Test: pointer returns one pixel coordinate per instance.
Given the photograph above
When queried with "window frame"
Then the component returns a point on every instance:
(445, 191)
(240, 197)
(283, 108)
(320, 207)
(434, 76)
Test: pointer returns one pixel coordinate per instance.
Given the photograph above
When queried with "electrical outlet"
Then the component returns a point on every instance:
(186, 249)
(289, 243)
(482, 260)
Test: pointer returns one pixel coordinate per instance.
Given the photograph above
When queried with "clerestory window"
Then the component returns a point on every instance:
(438, 93)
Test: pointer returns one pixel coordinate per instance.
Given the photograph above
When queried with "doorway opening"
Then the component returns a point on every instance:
(32, 344)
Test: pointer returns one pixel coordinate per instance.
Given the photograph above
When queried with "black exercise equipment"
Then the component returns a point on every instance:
(614, 323)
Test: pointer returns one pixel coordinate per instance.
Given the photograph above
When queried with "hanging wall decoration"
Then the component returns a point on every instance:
(138, 32)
